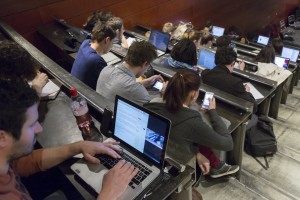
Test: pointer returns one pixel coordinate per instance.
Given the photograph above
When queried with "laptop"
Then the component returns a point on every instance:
(290, 53)
(109, 58)
(282, 62)
(160, 40)
(263, 40)
(206, 59)
(143, 135)
(217, 31)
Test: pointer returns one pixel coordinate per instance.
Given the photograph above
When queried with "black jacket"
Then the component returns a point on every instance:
(221, 78)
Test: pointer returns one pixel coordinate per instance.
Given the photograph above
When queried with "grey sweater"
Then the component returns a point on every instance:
(188, 131)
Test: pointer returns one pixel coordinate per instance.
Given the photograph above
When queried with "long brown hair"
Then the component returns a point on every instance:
(179, 87)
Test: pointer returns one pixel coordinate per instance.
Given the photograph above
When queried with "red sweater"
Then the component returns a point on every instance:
(10, 186)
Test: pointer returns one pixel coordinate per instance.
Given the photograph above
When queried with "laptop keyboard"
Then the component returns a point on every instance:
(110, 162)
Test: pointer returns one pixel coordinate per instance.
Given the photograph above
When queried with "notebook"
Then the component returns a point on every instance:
(282, 62)
(206, 59)
(217, 31)
(263, 40)
(290, 53)
(160, 40)
(143, 135)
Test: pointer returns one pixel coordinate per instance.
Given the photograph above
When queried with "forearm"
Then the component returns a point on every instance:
(56, 155)
(217, 123)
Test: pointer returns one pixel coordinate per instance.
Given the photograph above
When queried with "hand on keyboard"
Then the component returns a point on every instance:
(116, 180)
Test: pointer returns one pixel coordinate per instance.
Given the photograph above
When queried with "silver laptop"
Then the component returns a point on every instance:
(263, 40)
(217, 31)
(111, 58)
(143, 135)
(290, 53)
(160, 40)
(282, 62)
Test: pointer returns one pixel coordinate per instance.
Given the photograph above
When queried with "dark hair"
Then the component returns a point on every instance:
(278, 45)
(101, 31)
(206, 38)
(16, 62)
(16, 98)
(266, 55)
(192, 35)
(140, 52)
(179, 87)
(223, 41)
(115, 23)
(225, 56)
(185, 51)
(95, 17)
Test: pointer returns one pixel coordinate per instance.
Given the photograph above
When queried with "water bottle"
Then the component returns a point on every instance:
(83, 119)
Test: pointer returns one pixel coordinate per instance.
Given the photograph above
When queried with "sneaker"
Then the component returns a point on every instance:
(224, 170)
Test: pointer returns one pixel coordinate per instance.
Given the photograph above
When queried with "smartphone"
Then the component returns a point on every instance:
(106, 122)
(208, 96)
(158, 85)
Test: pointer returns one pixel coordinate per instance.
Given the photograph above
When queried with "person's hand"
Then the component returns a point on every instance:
(165, 84)
(242, 65)
(151, 80)
(212, 104)
(89, 149)
(39, 82)
(203, 163)
(247, 88)
(116, 180)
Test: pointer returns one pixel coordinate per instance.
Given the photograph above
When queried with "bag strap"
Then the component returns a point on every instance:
(266, 167)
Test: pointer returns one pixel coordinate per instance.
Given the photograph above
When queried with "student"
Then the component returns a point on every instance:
(121, 79)
(266, 67)
(168, 27)
(17, 63)
(104, 17)
(89, 63)
(189, 131)
(221, 78)
(19, 104)
(207, 39)
(195, 36)
(278, 45)
(223, 41)
(183, 55)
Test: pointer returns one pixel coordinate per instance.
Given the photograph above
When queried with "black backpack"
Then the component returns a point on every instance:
(260, 140)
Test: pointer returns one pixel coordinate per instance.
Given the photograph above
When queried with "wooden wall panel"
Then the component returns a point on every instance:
(247, 15)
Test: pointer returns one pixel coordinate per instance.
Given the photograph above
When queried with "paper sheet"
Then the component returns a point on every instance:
(50, 89)
(256, 94)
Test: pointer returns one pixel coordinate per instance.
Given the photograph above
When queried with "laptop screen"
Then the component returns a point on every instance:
(282, 62)
(217, 31)
(292, 54)
(263, 40)
(206, 59)
(159, 39)
(143, 131)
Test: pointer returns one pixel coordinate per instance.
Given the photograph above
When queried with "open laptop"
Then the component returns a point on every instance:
(160, 40)
(290, 53)
(217, 31)
(263, 40)
(282, 62)
(143, 135)
(206, 59)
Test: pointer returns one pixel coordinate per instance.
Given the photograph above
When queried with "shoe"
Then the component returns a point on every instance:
(224, 170)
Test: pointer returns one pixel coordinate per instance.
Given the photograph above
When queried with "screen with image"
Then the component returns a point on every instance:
(292, 54)
(159, 39)
(141, 130)
(282, 62)
(263, 40)
(217, 31)
(206, 59)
